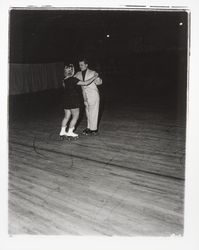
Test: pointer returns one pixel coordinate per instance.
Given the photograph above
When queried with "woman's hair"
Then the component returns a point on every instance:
(69, 70)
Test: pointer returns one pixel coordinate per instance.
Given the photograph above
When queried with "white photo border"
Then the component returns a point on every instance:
(190, 239)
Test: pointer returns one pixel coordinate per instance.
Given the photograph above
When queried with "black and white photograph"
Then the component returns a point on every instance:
(97, 116)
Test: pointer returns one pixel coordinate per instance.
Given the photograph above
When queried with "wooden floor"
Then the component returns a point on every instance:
(128, 180)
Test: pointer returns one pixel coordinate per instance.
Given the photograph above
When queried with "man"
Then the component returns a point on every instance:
(91, 97)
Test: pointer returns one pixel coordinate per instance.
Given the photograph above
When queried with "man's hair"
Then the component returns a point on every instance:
(85, 60)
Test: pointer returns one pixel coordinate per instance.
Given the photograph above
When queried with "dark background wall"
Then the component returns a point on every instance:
(141, 55)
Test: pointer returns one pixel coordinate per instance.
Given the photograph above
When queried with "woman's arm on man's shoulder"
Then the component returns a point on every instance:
(98, 81)
(77, 75)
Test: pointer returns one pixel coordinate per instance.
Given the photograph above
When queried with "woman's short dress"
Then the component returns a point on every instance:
(72, 97)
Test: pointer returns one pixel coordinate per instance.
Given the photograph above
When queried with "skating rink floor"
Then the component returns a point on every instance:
(128, 180)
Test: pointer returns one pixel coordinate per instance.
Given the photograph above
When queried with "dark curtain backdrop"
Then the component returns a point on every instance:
(27, 78)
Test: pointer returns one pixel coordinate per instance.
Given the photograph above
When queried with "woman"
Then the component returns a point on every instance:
(72, 100)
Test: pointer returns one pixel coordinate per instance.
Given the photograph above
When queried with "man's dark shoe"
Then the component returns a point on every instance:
(86, 131)
(93, 132)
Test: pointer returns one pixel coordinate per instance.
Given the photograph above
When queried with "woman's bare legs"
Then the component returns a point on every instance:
(66, 117)
(65, 121)
(75, 116)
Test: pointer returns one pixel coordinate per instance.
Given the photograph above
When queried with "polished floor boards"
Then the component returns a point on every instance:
(128, 180)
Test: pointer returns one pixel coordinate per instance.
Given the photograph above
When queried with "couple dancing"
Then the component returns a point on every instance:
(88, 80)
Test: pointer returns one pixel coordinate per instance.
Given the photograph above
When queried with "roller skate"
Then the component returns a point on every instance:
(63, 134)
(86, 131)
(70, 135)
(93, 132)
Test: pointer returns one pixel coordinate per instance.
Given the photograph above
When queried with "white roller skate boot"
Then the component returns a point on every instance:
(70, 134)
(62, 133)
